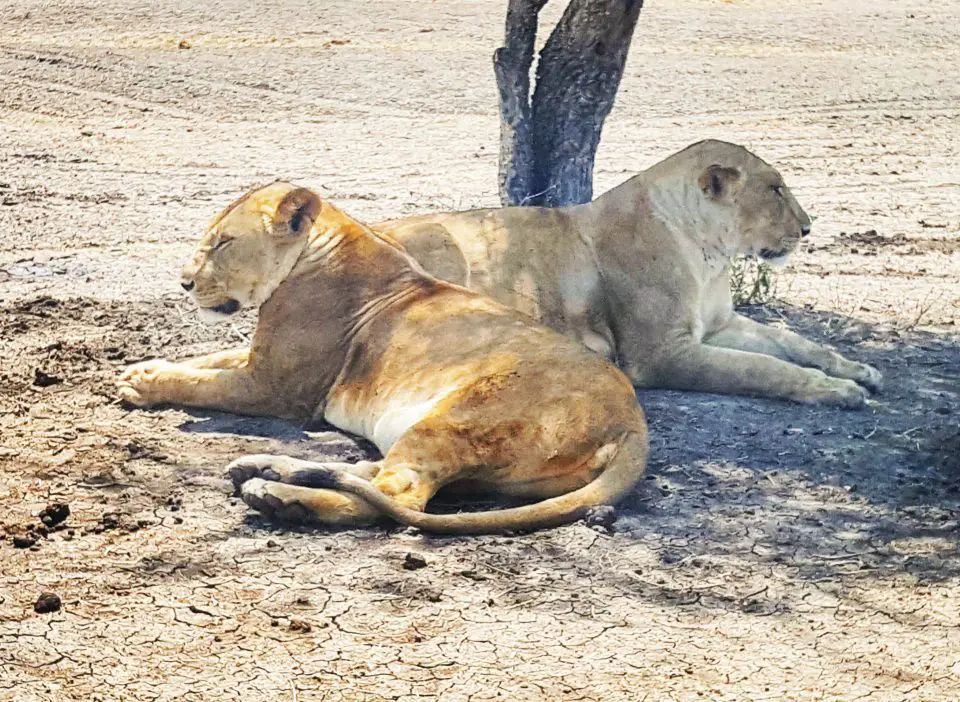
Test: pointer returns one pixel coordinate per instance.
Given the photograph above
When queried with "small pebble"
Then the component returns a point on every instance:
(47, 602)
(54, 513)
(414, 562)
(299, 625)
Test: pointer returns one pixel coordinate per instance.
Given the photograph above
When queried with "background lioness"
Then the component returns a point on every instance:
(641, 275)
(452, 387)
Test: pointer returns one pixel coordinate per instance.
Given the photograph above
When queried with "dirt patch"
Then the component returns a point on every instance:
(775, 552)
(756, 517)
(870, 243)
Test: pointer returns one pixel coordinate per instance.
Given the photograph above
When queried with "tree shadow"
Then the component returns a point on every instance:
(822, 491)
(897, 450)
(318, 441)
(818, 489)
(209, 422)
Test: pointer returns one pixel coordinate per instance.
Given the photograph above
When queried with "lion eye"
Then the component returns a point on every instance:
(778, 189)
(222, 244)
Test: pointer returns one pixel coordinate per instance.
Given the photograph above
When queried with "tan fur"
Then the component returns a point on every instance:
(642, 275)
(452, 387)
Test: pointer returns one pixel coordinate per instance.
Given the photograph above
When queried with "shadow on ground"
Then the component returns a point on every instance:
(817, 489)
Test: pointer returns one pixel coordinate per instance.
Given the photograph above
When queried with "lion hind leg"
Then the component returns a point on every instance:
(301, 505)
(291, 490)
(286, 469)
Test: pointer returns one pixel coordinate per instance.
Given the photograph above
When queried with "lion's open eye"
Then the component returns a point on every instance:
(778, 189)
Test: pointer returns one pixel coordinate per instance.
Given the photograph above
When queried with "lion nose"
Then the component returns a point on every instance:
(187, 285)
(805, 230)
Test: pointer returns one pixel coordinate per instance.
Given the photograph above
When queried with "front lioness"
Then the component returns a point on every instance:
(452, 387)
(641, 275)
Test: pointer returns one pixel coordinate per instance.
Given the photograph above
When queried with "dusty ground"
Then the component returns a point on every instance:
(776, 552)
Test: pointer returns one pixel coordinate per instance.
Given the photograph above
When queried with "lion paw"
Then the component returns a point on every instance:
(841, 393)
(139, 384)
(868, 376)
(260, 495)
(260, 465)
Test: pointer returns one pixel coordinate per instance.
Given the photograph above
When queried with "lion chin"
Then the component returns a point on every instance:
(774, 259)
(219, 313)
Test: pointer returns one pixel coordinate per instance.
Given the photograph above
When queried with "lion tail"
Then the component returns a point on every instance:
(622, 471)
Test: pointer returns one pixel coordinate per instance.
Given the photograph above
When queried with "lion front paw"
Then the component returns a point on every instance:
(140, 385)
(839, 393)
(868, 376)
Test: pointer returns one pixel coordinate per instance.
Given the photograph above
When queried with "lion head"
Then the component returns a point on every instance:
(250, 248)
(731, 201)
(768, 220)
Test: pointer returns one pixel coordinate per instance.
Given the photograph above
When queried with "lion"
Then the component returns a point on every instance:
(453, 388)
(641, 275)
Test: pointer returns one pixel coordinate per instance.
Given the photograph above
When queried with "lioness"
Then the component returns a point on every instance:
(452, 387)
(641, 275)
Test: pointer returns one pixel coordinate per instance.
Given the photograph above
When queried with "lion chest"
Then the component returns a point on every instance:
(715, 308)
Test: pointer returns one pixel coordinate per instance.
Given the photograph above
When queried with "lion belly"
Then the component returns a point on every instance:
(385, 417)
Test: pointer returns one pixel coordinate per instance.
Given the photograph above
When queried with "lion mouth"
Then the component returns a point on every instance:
(231, 306)
(773, 254)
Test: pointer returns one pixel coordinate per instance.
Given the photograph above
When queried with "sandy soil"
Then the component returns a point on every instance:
(776, 552)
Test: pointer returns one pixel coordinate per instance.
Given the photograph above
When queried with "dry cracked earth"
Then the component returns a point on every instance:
(775, 552)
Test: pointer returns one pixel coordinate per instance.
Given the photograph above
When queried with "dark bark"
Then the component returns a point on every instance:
(548, 145)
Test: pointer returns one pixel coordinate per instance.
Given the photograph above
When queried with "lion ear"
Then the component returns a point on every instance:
(296, 213)
(720, 182)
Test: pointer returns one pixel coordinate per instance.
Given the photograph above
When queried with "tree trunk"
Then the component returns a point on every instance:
(511, 65)
(548, 145)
